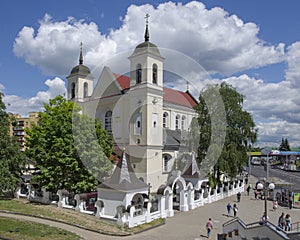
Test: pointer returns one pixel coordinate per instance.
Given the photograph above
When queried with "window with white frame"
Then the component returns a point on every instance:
(154, 73)
(183, 122)
(107, 122)
(73, 90)
(165, 119)
(138, 74)
(177, 119)
(85, 89)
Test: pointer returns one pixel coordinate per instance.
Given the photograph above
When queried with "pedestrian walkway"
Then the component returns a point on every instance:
(191, 225)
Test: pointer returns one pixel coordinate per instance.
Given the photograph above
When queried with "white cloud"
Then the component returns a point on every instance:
(16, 104)
(221, 43)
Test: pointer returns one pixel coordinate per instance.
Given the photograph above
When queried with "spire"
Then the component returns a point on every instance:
(187, 86)
(80, 56)
(147, 31)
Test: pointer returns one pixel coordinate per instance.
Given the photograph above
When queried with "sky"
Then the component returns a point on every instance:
(253, 45)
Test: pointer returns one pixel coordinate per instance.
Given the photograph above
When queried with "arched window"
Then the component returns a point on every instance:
(165, 119)
(183, 122)
(138, 74)
(108, 116)
(177, 122)
(154, 73)
(73, 90)
(85, 89)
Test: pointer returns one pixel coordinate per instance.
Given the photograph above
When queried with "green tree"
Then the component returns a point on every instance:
(11, 158)
(240, 131)
(71, 150)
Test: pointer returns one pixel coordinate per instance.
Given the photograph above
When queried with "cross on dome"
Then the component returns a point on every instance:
(147, 31)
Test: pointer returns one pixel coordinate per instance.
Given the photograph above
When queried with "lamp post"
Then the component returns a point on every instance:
(265, 186)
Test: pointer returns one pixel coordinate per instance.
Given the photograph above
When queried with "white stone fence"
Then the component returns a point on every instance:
(160, 207)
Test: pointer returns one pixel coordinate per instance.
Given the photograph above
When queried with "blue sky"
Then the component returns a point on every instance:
(254, 45)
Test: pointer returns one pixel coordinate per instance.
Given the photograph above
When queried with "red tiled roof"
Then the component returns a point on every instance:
(124, 81)
(170, 95)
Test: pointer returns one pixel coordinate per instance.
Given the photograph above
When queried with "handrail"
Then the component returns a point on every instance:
(268, 224)
(297, 228)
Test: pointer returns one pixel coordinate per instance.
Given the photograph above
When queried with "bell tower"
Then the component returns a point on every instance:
(146, 103)
(80, 81)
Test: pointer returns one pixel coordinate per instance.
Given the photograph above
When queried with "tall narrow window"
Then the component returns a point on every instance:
(138, 125)
(165, 119)
(85, 89)
(138, 74)
(183, 122)
(108, 116)
(154, 73)
(177, 122)
(73, 90)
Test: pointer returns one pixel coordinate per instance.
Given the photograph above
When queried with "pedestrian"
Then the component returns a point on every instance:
(228, 209)
(238, 196)
(281, 221)
(290, 202)
(255, 194)
(209, 227)
(246, 179)
(264, 218)
(248, 190)
(287, 222)
(235, 209)
(275, 205)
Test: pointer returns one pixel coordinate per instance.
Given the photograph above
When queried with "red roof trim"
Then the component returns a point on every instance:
(170, 95)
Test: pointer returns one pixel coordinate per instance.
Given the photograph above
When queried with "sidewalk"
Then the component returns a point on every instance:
(191, 225)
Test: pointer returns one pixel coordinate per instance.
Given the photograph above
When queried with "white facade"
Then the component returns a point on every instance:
(137, 110)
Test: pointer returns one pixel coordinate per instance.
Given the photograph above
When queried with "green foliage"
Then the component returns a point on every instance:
(11, 158)
(240, 131)
(56, 145)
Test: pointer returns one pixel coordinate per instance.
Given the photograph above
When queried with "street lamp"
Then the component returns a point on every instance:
(265, 186)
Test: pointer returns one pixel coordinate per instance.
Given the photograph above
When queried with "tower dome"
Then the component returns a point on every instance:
(146, 46)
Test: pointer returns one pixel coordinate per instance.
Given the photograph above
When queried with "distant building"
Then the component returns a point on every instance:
(20, 124)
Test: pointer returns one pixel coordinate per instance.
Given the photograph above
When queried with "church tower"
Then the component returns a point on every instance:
(80, 81)
(146, 104)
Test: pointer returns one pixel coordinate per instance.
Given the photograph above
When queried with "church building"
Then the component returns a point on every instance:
(147, 119)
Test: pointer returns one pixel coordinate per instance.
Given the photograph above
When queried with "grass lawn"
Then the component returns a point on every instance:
(15, 229)
(70, 216)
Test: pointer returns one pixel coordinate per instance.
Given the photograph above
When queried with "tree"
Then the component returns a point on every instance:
(284, 146)
(11, 158)
(240, 131)
(71, 150)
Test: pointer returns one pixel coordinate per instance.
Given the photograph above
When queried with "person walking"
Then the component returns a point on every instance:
(287, 222)
(238, 196)
(228, 209)
(275, 205)
(235, 209)
(209, 227)
(248, 190)
(281, 221)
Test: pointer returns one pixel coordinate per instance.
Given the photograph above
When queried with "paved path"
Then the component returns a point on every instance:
(191, 225)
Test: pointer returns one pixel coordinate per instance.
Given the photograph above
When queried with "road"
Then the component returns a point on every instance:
(292, 177)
